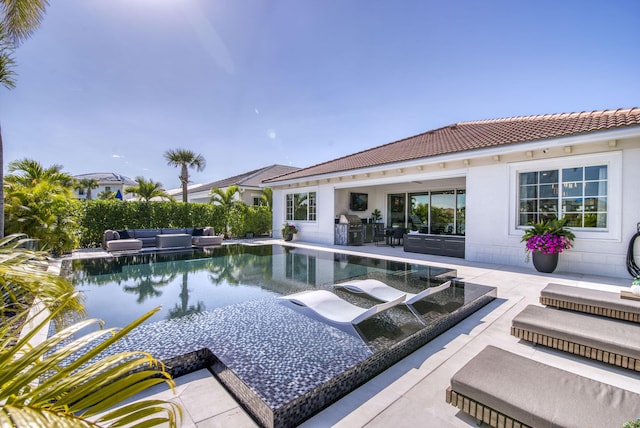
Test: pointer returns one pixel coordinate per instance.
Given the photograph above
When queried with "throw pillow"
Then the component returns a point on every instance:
(116, 235)
(123, 234)
(198, 231)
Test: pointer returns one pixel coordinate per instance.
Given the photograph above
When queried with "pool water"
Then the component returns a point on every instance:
(117, 290)
(221, 311)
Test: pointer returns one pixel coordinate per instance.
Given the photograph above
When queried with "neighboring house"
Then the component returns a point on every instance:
(249, 184)
(106, 181)
(477, 184)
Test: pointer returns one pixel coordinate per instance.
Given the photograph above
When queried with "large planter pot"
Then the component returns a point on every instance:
(288, 237)
(546, 263)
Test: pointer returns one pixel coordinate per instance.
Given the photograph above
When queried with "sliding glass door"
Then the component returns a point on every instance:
(436, 213)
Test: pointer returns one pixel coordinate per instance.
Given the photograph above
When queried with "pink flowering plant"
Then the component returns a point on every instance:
(288, 229)
(547, 237)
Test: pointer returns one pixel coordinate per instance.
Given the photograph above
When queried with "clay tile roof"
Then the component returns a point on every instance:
(464, 136)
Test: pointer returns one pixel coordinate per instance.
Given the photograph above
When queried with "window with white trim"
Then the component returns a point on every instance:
(578, 194)
(301, 206)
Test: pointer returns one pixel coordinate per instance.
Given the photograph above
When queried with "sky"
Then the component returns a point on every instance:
(111, 85)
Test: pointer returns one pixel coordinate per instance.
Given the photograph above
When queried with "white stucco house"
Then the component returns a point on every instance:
(249, 184)
(107, 181)
(473, 187)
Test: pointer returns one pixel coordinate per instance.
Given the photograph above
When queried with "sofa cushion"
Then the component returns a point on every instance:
(124, 234)
(173, 230)
(591, 297)
(146, 233)
(124, 244)
(198, 231)
(607, 334)
(540, 395)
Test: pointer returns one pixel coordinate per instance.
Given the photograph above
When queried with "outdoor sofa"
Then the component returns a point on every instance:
(504, 389)
(136, 239)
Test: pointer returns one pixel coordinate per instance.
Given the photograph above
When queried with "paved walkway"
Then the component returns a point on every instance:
(412, 392)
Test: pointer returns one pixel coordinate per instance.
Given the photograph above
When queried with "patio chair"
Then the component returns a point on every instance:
(381, 291)
(333, 308)
(504, 389)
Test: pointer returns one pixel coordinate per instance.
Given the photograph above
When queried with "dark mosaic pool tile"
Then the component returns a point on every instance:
(283, 365)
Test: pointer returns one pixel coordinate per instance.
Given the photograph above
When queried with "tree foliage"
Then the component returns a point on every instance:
(87, 184)
(39, 202)
(185, 159)
(148, 189)
(78, 384)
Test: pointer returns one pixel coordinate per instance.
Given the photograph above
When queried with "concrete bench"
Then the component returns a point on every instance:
(598, 302)
(602, 339)
(503, 389)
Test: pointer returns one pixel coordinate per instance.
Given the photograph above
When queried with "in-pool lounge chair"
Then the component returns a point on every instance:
(381, 291)
(503, 389)
(333, 308)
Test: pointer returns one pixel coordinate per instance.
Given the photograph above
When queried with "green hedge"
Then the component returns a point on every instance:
(99, 215)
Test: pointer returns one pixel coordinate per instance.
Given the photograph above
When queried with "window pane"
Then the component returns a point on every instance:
(528, 206)
(461, 212)
(596, 172)
(572, 174)
(419, 216)
(595, 204)
(572, 205)
(395, 210)
(289, 205)
(528, 191)
(549, 205)
(300, 206)
(572, 189)
(573, 219)
(527, 218)
(548, 190)
(442, 212)
(549, 176)
(528, 178)
(598, 188)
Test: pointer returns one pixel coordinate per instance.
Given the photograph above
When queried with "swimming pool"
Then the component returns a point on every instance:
(221, 311)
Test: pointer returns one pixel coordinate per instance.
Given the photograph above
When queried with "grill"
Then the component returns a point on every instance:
(349, 230)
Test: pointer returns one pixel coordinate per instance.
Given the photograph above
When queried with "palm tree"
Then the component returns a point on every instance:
(148, 189)
(79, 384)
(267, 197)
(60, 381)
(185, 159)
(40, 203)
(30, 173)
(18, 20)
(87, 183)
(107, 195)
(227, 200)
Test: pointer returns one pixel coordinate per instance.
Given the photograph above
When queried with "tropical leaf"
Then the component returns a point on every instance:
(66, 381)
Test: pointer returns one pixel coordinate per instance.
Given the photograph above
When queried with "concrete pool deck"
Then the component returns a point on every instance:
(412, 392)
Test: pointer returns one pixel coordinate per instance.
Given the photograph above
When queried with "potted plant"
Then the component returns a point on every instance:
(545, 240)
(376, 215)
(288, 230)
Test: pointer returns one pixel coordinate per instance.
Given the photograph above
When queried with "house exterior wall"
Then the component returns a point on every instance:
(490, 180)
